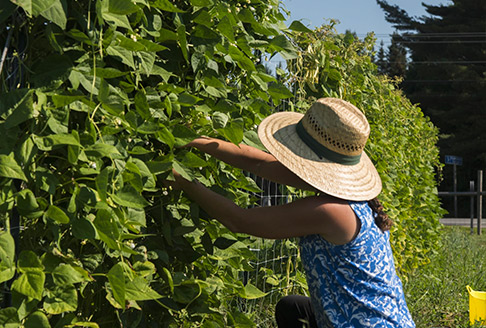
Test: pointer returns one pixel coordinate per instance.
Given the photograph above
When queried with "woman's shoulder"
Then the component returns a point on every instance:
(342, 224)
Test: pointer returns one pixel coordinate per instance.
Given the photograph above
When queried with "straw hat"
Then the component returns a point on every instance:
(325, 148)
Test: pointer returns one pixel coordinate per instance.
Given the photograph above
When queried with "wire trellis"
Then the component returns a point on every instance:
(276, 270)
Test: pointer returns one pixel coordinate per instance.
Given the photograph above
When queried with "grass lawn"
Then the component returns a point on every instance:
(437, 294)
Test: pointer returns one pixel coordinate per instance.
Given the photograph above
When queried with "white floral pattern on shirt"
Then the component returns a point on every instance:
(355, 285)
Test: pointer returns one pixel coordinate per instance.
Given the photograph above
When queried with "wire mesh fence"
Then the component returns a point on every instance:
(276, 269)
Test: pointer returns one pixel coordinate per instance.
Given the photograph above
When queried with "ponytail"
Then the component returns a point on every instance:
(381, 218)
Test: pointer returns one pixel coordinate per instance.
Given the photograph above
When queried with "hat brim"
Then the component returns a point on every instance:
(357, 182)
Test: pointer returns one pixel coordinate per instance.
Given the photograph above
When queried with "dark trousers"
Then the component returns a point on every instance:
(295, 311)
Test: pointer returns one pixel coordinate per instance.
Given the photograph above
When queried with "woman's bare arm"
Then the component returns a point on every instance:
(332, 218)
(250, 159)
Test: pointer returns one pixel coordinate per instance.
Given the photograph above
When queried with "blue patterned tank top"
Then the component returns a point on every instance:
(355, 285)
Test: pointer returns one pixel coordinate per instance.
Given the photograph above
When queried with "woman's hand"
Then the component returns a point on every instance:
(177, 183)
(197, 142)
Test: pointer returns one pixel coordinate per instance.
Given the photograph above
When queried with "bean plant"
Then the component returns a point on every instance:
(97, 100)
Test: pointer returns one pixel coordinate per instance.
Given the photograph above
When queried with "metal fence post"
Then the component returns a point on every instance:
(471, 189)
(480, 199)
(455, 190)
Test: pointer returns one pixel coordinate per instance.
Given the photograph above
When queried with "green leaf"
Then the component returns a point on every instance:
(10, 169)
(46, 143)
(241, 59)
(9, 318)
(34, 7)
(241, 320)
(139, 150)
(66, 274)
(102, 181)
(247, 183)
(207, 243)
(27, 204)
(123, 55)
(151, 46)
(165, 5)
(129, 197)
(278, 91)
(186, 292)
(162, 72)
(181, 34)
(37, 320)
(334, 75)
(226, 28)
(136, 217)
(299, 27)
(129, 43)
(16, 107)
(143, 170)
(186, 99)
(219, 120)
(116, 277)
(202, 3)
(224, 243)
(261, 83)
(118, 20)
(198, 60)
(234, 131)
(147, 61)
(7, 254)
(102, 150)
(142, 105)
(206, 33)
(29, 261)
(62, 299)
(64, 100)
(122, 7)
(108, 73)
(83, 228)
(46, 180)
(31, 284)
(192, 160)
(79, 36)
(251, 292)
(144, 269)
(166, 137)
(251, 138)
(107, 228)
(56, 14)
(158, 167)
(56, 214)
(204, 18)
(26, 152)
(182, 170)
(139, 289)
(183, 135)
(51, 36)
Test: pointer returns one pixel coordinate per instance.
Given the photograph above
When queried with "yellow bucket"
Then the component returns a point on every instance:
(477, 306)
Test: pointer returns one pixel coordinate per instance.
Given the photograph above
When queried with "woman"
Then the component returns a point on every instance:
(343, 231)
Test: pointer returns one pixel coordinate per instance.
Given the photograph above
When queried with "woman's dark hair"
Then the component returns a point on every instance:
(381, 218)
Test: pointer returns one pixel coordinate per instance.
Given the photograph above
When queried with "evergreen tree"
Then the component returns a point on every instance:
(380, 60)
(446, 74)
(396, 58)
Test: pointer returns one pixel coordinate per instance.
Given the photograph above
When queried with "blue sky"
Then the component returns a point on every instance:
(360, 16)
